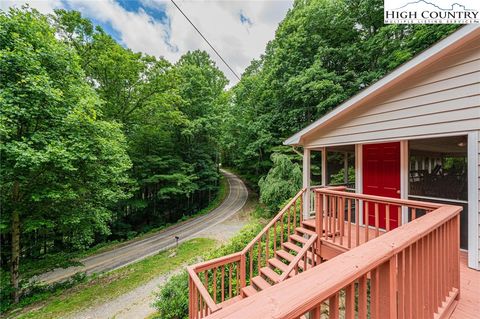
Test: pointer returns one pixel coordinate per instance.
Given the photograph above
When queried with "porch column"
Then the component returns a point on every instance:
(306, 183)
(473, 206)
(359, 178)
(324, 166)
(404, 169)
(345, 168)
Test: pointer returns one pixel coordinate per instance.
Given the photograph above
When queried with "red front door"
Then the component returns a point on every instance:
(381, 177)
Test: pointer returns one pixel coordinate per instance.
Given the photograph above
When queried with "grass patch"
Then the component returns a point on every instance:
(101, 288)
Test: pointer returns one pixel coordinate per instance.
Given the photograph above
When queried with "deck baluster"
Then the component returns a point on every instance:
(229, 281)
(215, 285)
(333, 302)
(349, 217)
(223, 283)
(366, 214)
(387, 217)
(357, 222)
(350, 302)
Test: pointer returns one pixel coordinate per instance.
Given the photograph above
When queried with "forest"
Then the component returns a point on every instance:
(100, 143)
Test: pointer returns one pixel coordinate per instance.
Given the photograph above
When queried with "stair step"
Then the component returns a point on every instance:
(260, 283)
(305, 231)
(270, 274)
(291, 246)
(309, 224)
(285, 255)
(249, 291)
(274, 262)
(298, 239)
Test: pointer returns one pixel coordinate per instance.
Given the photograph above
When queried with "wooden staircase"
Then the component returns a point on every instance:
(282, 262)
(286, 246)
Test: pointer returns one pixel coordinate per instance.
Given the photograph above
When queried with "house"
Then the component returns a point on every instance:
(395, 239)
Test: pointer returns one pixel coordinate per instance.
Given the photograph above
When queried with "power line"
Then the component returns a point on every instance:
(211, 46)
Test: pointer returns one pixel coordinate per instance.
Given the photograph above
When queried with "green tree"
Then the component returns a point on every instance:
(62, 166)
(324, 51)
(282, 182)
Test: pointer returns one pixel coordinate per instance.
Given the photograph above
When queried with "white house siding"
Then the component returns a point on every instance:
(443, 98)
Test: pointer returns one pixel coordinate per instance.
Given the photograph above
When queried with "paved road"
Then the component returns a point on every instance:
(139, 249)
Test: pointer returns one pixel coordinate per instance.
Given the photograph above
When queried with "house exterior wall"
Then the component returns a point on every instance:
(478, 197)
(444, 98)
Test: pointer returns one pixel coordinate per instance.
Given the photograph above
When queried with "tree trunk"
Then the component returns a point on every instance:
(15, 261)
(15, 255)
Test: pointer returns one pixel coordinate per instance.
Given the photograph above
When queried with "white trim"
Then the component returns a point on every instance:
(324, 166)
(359, 177)
(473, 175)
(404, 169)
(393, 139)
(421, 60)
(457, 201)
(306, 183)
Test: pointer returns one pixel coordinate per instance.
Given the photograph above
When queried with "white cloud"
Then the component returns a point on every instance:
(219, 21)
(42, 6)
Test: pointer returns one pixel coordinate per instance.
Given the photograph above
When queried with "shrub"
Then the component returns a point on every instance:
(172, 300)
(283, 181)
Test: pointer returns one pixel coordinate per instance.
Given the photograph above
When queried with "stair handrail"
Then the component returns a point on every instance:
(311, 241)
(202, 290)
(274, 220)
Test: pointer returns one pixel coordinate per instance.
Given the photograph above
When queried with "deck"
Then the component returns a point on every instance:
(414, 271)
(468, 306)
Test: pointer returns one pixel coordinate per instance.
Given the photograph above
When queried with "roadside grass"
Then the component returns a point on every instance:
(103, 287)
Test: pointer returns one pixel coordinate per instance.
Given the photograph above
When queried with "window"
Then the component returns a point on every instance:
(438, 173)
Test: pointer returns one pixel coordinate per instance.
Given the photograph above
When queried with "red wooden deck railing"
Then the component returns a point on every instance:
(409, 272)
(338, 215)
(217, 283)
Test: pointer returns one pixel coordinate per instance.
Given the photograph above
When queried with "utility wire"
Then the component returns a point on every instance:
(211, 46)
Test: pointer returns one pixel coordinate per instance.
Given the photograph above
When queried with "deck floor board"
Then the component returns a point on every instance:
(469, 303)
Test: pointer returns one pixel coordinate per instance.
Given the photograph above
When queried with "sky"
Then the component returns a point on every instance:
(239, 30)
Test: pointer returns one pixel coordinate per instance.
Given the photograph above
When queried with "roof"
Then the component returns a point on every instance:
(426, 57)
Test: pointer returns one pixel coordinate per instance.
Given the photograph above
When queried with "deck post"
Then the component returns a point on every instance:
(306, 183)
(243, 270)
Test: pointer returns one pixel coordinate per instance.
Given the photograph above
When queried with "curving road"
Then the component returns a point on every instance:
(139, 249)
